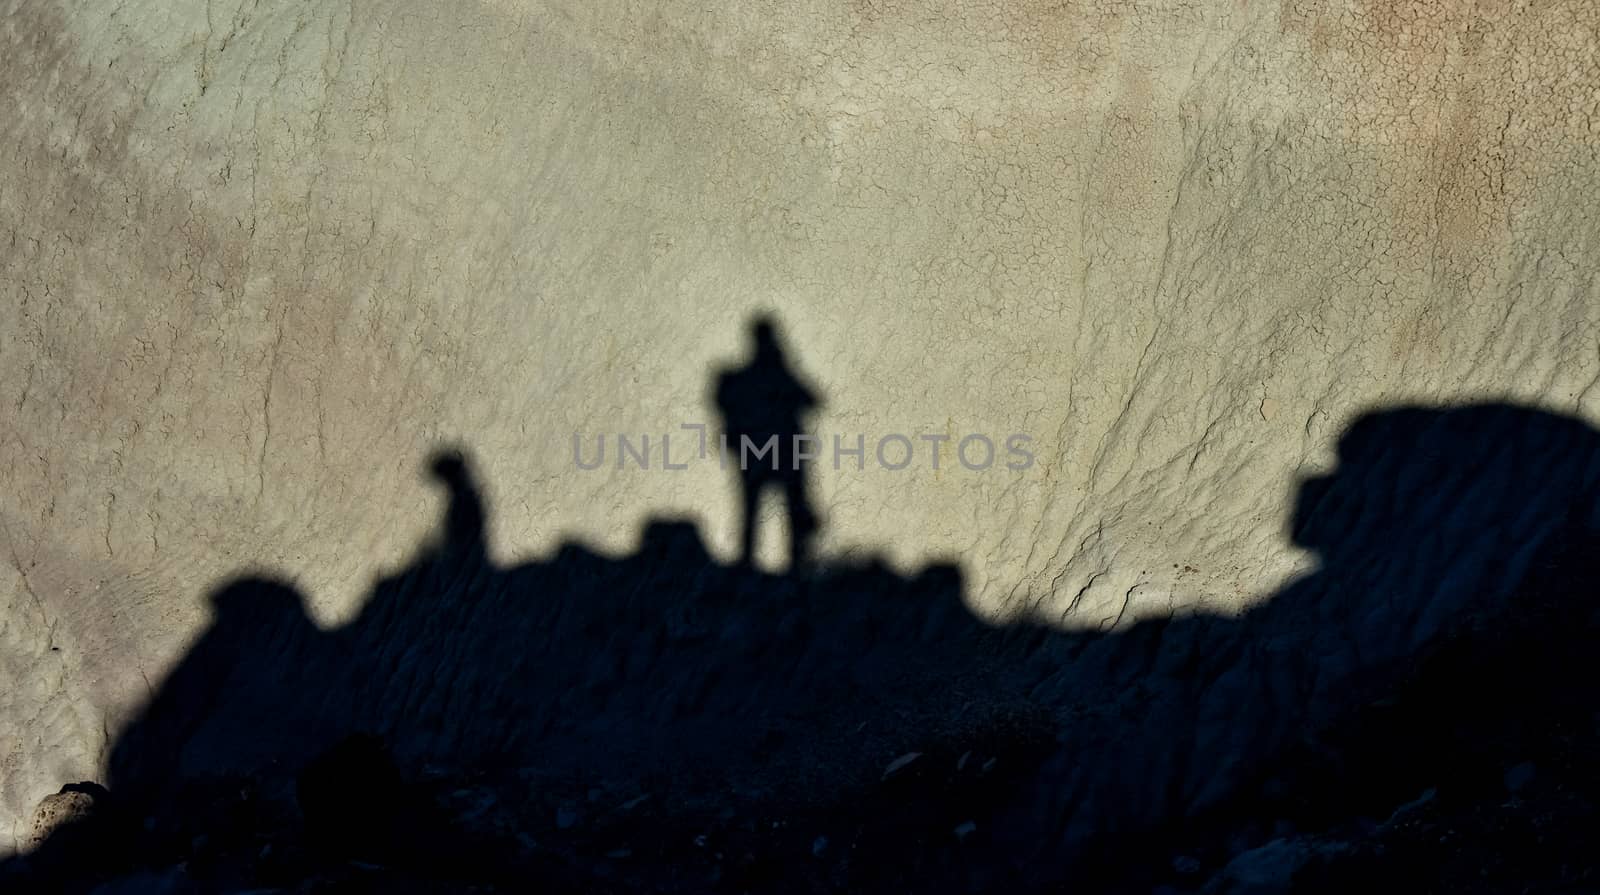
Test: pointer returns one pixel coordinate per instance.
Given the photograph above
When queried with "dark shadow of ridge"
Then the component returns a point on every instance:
(721, 690)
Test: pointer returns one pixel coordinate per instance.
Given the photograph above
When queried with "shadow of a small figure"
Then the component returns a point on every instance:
(763, 406)
(716, 688)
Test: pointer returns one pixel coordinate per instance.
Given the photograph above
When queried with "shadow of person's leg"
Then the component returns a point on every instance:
(802, 519)
(750, 495)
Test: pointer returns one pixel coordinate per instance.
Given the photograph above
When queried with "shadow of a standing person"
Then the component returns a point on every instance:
(763, 405)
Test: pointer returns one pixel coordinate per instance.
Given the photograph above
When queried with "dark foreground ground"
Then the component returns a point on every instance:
(1473, 775)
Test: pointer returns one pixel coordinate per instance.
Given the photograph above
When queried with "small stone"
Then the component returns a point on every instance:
(56, 811)
(620, 853)
(566, 817)
(818, 846)
(1187, 865)
(1404, 811)
(899, 764)
(1272, 867)
(1519, 776)
(961, 763)
(964, 830)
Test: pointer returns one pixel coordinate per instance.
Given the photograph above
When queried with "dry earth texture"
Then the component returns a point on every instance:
(258, 260)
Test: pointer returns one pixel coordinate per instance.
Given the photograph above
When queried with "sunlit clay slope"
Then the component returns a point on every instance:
(259, 261)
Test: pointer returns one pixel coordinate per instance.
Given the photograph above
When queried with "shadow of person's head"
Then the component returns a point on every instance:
(765, 338)
(449, 466)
